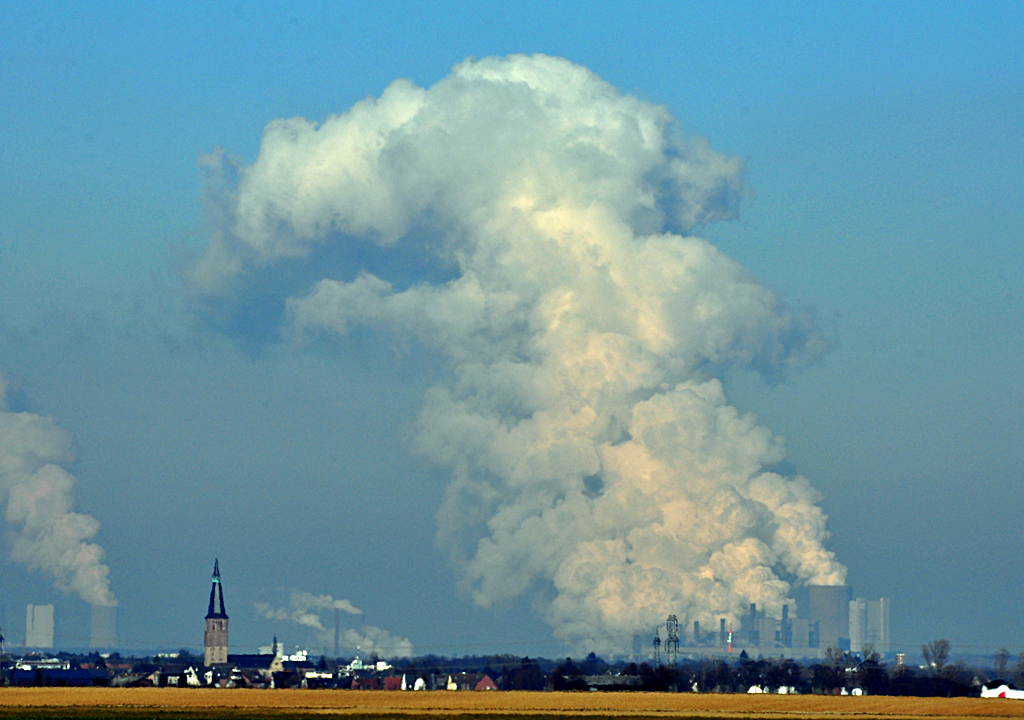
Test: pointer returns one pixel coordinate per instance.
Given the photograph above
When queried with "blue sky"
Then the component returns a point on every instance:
(882, 151)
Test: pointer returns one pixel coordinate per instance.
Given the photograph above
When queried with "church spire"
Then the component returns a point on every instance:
(215, 637)
(216, 594)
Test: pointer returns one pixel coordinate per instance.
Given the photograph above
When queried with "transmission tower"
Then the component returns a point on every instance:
(657, 648)
(672, 639)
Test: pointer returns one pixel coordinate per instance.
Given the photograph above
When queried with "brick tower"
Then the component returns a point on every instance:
(215, 639)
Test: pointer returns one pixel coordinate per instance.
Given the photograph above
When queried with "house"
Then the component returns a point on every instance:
(24, 674)
(609, 682)
(465, 681)
(179, 676)
(262, 666)
(132, 680)
(485, 684)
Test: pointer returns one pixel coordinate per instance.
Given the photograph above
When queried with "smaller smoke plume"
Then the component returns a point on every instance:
(304, 609)
(38, 495)
(372, 640)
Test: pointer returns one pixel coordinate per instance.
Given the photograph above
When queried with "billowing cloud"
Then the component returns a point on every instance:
(38, 495)
(304, 609)
(594, 456)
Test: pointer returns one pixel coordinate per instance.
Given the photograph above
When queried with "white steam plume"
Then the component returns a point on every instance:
(594, 455)
(39, 497)
(304, 609)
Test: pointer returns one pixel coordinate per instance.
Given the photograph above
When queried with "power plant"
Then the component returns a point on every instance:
(820, 617)
(39, 627)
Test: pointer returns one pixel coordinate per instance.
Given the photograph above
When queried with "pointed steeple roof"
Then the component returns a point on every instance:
(216, 594)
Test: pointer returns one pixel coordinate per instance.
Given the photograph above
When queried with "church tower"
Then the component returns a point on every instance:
(215, 639)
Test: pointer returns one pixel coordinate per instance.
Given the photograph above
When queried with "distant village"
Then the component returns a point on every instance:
(840, 673)
(837, 670)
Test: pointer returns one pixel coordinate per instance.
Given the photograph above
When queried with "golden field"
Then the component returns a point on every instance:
(201, 703)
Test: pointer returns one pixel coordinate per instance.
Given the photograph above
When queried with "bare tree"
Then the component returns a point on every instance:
(871, 675)
(936, 653)
(1002, 658)
(837, 658)
(833, 672)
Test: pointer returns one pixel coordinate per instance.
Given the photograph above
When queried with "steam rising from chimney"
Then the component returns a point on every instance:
(39, 497)
(594, 456)
(304, 609)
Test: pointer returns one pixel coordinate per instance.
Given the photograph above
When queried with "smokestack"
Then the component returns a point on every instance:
(752, 634)
(103, 632)
(785, 633)
(721, 631)
(336, 622)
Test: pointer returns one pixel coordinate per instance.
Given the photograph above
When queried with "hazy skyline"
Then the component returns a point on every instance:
(874, 189)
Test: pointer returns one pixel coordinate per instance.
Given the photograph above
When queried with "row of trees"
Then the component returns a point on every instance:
(839, 671)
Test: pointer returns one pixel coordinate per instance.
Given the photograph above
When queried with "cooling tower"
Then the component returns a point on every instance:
(877, 631)
(858, 624)
(104, 627)
(39, 626)
(829, 605)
